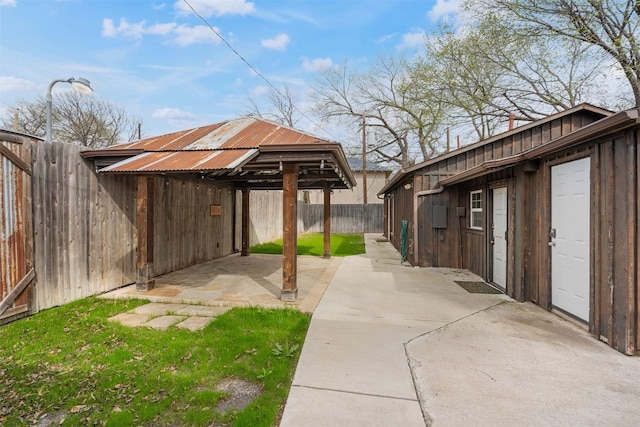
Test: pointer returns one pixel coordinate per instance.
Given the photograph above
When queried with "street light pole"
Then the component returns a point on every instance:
(80, 84)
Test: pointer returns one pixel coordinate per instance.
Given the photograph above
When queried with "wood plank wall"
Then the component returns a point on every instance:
(344, 218)
(615, 240)
(84, 227)
(186, 232)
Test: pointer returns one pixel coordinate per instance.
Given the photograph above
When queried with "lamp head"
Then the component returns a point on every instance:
(81, 84)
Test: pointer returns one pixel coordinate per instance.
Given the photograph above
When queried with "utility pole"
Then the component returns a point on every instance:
(364, 157)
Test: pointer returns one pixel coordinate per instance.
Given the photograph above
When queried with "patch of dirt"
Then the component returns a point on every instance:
(241, 393)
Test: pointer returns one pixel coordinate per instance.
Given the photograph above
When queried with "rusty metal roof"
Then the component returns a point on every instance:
(248, 151)
(246, 132)
(183, 161)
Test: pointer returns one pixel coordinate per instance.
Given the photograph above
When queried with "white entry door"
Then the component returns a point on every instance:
(569, 237)
(499, 237)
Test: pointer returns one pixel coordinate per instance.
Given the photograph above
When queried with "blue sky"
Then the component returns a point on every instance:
(161, 63)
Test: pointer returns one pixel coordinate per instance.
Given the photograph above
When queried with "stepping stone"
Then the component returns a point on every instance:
(158, 308)
(203, 310)
(194, 323)
(130, 319)
(163, 322)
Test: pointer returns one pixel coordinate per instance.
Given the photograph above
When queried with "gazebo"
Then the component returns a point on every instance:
(245, 154)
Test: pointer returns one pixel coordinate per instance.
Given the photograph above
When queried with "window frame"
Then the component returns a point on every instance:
(474, 212)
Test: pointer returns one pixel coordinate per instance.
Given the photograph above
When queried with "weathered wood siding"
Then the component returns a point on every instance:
(344, 218)
(401, 210)
(186, 231)
(615, 237)
(84, 227)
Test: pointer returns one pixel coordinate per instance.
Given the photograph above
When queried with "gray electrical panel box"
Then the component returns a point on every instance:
(439, 217)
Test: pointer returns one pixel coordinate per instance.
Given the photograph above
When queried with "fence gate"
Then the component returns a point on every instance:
(17, 274)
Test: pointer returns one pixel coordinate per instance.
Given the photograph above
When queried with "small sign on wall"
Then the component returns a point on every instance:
(215, 210)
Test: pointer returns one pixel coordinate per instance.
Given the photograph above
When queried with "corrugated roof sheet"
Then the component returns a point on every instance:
(244, 133)
(184, 161)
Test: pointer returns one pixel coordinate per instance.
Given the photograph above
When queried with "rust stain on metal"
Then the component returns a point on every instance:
(246, 132)
(182, 161)
(12, 243)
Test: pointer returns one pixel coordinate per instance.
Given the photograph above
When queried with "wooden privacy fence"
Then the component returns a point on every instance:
(344, 218)
(16, 245)
(266, 217)
(84, 226)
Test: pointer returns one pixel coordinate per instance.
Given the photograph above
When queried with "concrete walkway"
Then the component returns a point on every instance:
(391, 345)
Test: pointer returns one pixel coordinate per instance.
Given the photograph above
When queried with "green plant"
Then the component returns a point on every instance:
(284, 350)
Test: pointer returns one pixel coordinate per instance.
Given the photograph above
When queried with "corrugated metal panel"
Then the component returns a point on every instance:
(220, 136)
(170, 142)
(183, 161)
(266, 133)
(12, 237)
(246, 132)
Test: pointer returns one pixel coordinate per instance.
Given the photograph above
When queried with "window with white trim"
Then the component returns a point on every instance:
(476, 210)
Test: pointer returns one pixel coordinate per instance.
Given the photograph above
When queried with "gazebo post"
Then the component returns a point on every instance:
(245, 222)
(289, 291)
(144, 226)
(327, 221)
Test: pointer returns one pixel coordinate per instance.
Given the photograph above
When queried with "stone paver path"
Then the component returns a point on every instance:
(163, 315)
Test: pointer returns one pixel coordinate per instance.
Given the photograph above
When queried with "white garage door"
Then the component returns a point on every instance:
(569, 237)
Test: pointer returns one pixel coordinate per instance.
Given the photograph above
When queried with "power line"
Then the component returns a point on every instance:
(254, 69)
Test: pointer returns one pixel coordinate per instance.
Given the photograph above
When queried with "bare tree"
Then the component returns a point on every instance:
(282, 103)
(485, 73)
(76, 119)
(402, 115)
(610, 25)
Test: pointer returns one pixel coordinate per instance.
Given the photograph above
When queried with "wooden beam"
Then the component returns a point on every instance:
(327, 221)
(15, 292)
(144, 226)
(245, 223)
(289, 291)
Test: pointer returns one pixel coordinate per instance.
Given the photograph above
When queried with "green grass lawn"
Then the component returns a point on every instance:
(72, 363)
(313, 244)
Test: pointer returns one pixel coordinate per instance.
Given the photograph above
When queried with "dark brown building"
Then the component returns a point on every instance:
(548, 212)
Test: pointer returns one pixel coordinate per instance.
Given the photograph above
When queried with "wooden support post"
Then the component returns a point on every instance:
(245, 223)
(144, 225)
(289, 291)
(327, 221)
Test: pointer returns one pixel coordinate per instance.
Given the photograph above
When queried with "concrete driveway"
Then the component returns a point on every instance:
(391, 345)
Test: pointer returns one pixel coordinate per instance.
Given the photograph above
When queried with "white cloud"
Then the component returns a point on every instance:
(279, 42)
(125, 29)
(8, 2)
(10, 84)
(182, 35)
(185, 36)
(317, 64)
(216, 7)
(413, 39)
(444, 9)
(176, 117)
